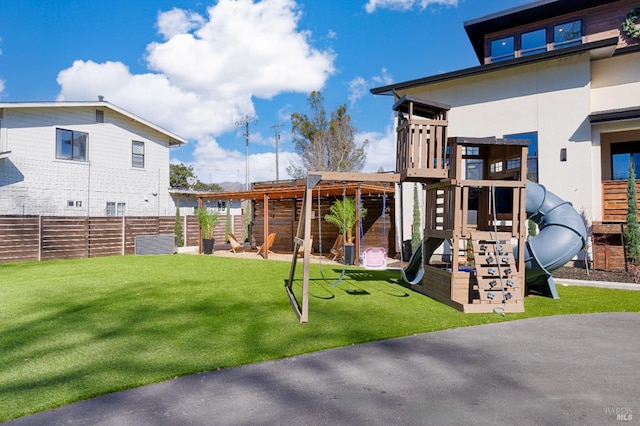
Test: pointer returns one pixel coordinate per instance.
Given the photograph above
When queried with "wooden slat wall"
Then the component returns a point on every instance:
(24, 238)
(64, 237)
(105, 236)
(614, 201)
(19, 238)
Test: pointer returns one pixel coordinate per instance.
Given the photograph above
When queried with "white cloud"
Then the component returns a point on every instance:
(244, 48)
(359, 87)
(178, 21)
(404, 5)
(207, 71)
(381, 151)
(215, 164)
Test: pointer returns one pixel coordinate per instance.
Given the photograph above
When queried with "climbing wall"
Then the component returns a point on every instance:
(498, 279)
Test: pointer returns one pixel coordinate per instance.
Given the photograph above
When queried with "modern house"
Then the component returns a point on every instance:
(564, 75)
(82, 159)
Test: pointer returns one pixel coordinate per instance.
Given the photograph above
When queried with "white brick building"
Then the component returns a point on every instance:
(82, 159)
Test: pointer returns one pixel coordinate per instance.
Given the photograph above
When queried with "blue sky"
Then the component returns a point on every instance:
(197, 67)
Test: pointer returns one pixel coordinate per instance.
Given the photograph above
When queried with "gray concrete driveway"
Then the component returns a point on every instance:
(561, 370)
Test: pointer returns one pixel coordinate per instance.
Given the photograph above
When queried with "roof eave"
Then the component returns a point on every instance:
(174, 140)
(598, 49)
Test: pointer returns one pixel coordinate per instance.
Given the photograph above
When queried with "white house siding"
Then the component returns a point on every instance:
(551, 97)
(33, 181)
(614, 85)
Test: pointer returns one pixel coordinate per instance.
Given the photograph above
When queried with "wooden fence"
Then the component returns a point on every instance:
(24, 238)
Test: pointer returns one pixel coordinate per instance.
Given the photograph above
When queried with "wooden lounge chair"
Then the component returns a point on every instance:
(301, 249)
(266, 247)
(235, 245)
(336, 250)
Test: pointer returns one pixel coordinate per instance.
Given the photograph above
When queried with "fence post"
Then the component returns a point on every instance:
(39, 238)
(124, 236)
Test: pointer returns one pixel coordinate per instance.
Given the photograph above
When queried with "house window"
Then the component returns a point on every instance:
(137, 154)
(472, 162)
(115, 209)
(99, 116)
(502, 49)
(513, 163)
(71, 145)
(533, 42)
(621, 155)
(222, 206)
(532, 157)
(495, 167)
(567, 34)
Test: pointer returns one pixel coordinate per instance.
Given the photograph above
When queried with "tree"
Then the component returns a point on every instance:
(177, 227)
(417, 220)
(325, 144)
(631, 234)
(178, 174)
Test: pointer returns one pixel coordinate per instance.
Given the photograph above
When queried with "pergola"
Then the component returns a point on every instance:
(334, 184)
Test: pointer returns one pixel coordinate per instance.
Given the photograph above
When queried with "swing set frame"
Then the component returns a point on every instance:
(303, 234)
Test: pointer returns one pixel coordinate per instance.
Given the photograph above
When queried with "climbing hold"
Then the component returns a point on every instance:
(507, 296)
(489, 259)
(505, 259)
(493, 283)
(509, 283)
(491, 271)
(507, 271)
(499, 248)
(490, 295)
(483, 247)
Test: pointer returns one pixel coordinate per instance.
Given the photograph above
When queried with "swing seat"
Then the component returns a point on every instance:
(375, 258)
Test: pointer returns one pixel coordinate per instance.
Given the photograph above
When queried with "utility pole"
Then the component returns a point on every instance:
(245, 122)
(275, 126)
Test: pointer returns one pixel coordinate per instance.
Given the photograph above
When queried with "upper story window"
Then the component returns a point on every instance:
(71, 145)
(533, 42)
(99, 116)
(528, 43)
(503, 49)
(137, 154)
(567, 34)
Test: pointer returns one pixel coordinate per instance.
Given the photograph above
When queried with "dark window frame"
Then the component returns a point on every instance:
(619, 149)
(533, 50)
(137, 158)
(503, 56)
(74, 148)
(571, 42)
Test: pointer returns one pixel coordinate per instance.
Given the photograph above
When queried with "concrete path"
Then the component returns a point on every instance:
(561, 370)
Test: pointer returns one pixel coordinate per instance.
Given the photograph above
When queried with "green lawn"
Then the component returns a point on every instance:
(74, 329)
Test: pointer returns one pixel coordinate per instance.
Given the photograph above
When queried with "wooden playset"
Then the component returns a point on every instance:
(474, 211)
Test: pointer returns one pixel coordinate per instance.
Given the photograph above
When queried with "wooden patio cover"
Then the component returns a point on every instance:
(351, 185)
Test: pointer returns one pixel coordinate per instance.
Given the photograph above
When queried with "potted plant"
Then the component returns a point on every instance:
(208, 222)
(342, 214)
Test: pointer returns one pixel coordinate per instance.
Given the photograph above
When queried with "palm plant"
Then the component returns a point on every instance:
(208, 222)
(342, 214)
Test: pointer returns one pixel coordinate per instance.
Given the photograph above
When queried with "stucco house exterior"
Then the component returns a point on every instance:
(563, 74)
(82, 159)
